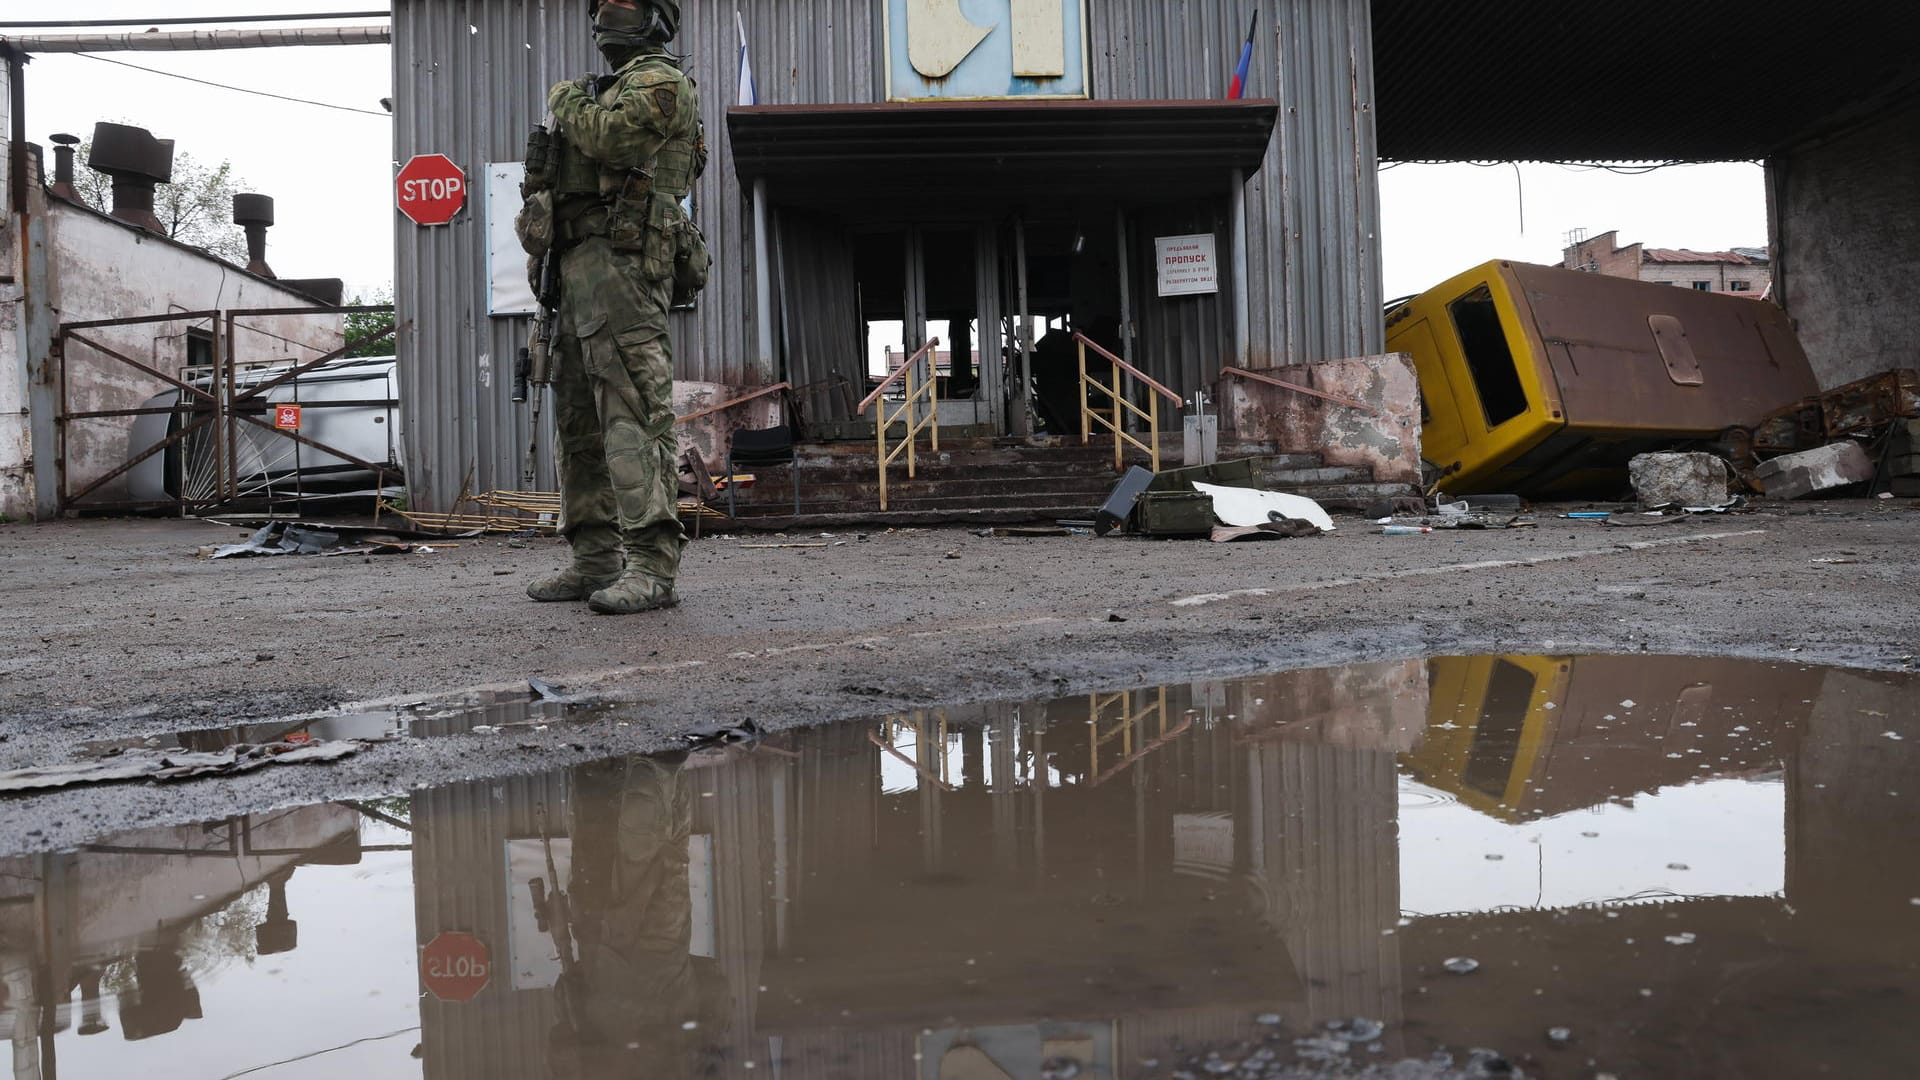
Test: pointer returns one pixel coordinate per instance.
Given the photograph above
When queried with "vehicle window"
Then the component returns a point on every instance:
(1489, 361)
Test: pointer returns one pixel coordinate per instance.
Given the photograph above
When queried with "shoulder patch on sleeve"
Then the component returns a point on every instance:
(666, 99)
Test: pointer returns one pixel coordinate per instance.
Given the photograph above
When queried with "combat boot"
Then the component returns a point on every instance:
(633, 593)
(653, 561)
(597, 563)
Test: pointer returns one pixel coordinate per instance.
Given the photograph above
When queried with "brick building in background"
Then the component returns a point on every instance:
(1740, 270)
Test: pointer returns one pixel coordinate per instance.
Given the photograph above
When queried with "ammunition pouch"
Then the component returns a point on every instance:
(534, 223)
(692, 262)
(539, 162)
(630, 211)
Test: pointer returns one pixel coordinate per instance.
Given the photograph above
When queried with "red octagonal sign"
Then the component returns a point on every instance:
(455, 966)
(431, 189)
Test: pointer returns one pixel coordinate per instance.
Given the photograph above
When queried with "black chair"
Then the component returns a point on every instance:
(758, 447)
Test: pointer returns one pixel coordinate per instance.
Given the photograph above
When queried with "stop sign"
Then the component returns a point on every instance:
(455, 966)
(431, 189)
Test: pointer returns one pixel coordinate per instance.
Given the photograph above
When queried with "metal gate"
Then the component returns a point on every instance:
(217, 403)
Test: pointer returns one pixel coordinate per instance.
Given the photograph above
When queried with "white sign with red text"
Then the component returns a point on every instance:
(1187, 264)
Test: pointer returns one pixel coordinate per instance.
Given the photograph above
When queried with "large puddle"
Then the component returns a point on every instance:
(1576, 866)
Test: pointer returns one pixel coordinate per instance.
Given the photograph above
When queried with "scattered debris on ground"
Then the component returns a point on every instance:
(1248, 506)
(1689, 479)
(1283, 529)
(297, 538)
(175, 764)
(1795, 476)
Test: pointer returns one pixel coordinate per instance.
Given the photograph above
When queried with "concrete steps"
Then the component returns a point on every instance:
(1000, 481)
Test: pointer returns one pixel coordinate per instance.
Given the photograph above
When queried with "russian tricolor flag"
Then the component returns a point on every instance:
(750, 94)
(1239, 87)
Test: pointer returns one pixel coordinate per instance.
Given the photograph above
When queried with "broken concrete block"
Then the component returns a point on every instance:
(1794, 476)
(1679, 479)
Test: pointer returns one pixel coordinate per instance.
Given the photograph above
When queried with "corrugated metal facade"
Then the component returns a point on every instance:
(1313, 213)
(470, 75)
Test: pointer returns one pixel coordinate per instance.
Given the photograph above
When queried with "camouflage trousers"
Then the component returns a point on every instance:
(613, 406)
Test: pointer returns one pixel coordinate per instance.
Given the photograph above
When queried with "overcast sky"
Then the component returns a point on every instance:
(331, 172)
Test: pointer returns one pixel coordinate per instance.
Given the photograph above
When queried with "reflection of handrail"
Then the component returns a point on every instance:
(1256, 376)
(725, 405)
(1154, 744)
(928, 389)
(1110, 418)
(1097, 706)
(917, 767)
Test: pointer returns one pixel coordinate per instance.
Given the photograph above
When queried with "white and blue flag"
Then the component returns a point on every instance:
(749, 94)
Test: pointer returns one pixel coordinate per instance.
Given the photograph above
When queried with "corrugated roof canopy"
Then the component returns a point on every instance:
(973, 152)
(1628, 80)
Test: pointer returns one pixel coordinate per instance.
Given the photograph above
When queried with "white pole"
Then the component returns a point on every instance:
(762, 284)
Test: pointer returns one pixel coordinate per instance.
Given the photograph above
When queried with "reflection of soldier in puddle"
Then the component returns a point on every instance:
(634, 1002)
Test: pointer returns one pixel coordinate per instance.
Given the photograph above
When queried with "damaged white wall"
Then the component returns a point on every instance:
(1847, 245)
(1384, 437)
(102, 268)
(16, 440)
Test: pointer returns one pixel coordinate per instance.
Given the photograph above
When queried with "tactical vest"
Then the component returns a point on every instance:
(580, 182)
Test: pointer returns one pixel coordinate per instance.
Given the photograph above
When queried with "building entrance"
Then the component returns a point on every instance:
(999, 372)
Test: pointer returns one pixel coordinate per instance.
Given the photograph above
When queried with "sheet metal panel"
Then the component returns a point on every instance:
(819, 324)
(1313, 206)
(469, 76)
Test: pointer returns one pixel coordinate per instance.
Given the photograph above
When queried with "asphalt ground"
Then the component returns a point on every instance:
(117, 628)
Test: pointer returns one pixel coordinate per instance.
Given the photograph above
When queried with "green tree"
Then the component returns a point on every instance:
(196, 208)
(362, 323)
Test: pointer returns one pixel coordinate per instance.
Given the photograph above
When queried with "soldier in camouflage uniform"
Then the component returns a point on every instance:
(627, 149)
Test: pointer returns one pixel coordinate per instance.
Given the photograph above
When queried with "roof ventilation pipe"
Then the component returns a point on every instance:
(63, 145)
(254, 213)
(138, 163)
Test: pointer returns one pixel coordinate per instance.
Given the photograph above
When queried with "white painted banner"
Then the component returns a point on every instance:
(1187, 264)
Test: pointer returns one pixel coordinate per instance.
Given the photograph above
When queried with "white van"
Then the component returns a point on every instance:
(350, 404)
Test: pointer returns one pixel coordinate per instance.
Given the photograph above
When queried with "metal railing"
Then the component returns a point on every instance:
(920, 383)
(1269, 380)
(212, 407)
(1111, 416)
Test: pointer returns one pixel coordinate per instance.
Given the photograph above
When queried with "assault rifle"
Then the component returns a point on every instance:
(534, 365)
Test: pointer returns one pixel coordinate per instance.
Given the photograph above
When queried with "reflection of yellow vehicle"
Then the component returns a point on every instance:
(1516, 737)
(1539, 380)
(1487, 722)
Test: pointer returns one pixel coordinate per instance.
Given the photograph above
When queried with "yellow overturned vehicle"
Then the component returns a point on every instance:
(1544, 381)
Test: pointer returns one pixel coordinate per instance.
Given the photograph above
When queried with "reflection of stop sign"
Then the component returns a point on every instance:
(454, 966)
(431, 189)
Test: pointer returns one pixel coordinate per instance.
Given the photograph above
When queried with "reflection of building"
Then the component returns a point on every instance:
(1102, 875)
(1096, 875)
(118, 912)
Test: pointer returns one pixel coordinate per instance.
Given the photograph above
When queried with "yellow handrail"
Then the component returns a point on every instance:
(927, 387)
(1110, 418)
